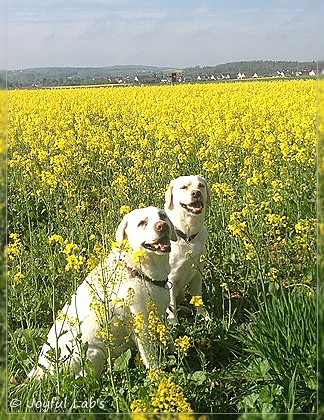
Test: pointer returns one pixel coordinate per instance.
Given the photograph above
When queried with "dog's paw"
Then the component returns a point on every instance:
(173, 320)
(172, 316)
(202, 312)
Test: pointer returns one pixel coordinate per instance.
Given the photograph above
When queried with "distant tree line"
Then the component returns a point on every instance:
(263, 68)
(70, 76)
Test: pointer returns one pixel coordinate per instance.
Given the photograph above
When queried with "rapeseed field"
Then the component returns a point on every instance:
(79, 159)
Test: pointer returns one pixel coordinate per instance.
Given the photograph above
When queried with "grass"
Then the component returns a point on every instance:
(87, 156)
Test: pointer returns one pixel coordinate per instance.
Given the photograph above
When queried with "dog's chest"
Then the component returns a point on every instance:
(186, 253)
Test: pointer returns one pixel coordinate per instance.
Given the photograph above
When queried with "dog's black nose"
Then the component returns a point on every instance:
(161, 225)
(195, 194)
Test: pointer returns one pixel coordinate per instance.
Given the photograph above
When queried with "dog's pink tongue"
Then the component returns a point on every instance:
(163, 244)
(196, 207)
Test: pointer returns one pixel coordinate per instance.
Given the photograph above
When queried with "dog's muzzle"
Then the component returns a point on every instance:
(162, 246)
(195, 208)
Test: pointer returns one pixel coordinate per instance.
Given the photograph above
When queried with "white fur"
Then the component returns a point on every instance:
(111, 282)
(185, 257)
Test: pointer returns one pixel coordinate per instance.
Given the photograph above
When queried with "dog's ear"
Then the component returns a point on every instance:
(209, 193)
(121, 230)
(173, 233)
(169, 197)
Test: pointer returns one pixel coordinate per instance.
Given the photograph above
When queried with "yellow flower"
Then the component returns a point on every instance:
(139, 406)
(18, 279)
(139, 324)
(70, 320)
(14, 249)
(70, 248)
(155, 375)
(158, 332)
(138, 256)
(120, 303)
(237, 226)
(56, 238)
(277, 198)
(303, 226)
(183, 344)
(169, 398)
(124, 210)
(92, 262)
(197, 301)
(74, 262)
(223, 190)
(273, 273)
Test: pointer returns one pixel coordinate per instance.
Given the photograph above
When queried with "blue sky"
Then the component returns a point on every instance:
(168, 33)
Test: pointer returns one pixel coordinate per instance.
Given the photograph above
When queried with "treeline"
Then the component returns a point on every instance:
(262, 68)
(73, 76)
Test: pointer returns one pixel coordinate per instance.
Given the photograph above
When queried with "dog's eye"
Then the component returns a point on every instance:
(142, 223)
(201, 185)
(183, 187)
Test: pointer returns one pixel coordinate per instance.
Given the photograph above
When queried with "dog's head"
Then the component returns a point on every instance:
(190, 193)
(148, 228)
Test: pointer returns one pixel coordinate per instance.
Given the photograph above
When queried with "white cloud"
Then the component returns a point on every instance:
(182, 33)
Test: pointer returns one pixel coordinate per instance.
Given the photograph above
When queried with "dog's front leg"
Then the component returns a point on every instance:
(196, 290)
(172, 308)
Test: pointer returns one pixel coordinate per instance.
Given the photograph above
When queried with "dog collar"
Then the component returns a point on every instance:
(135, 273)
(183, 236)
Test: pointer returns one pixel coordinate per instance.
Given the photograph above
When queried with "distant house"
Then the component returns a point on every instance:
(255, 75)
(212, 77)
(312, 73)
(241, 75)
(280, 73)
(198, 77)
(37, 85)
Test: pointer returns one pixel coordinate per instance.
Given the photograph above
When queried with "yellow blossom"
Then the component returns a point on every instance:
(74, 262)
(183, 344)
(56, 238)
(124, 210)
(14, 248)
(196, 301)
(138, 256)
(139, 406)
(224, 286)
(169, 398)
(18, 277)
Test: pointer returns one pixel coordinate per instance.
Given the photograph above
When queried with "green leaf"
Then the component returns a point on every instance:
(259, 370)
(121, 363)
(199, 377)
(311, 384)
(250, 400)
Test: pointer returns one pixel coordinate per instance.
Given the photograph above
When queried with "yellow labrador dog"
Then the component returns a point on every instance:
(185, 204)
(112, 296)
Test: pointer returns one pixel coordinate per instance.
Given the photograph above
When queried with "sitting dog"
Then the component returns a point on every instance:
(106, 304)
(185, 204)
